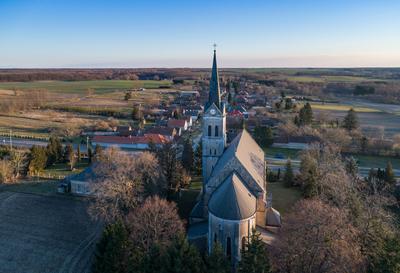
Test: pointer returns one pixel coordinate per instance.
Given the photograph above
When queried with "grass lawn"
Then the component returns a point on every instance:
(283, 198)
(196, 183)
(77, 87)
(44, 187)
(187, 200)
(61, 170)
(272, 151)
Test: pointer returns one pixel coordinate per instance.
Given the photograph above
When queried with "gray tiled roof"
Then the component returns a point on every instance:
(273, 217)
(248, 153)
(86, 175)
(232, 200)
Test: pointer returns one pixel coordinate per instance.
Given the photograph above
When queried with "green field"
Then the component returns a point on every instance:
(283, 198)
(340, 107)
(350, 79)
(77, 87)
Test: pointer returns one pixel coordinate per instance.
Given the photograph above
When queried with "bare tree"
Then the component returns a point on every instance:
(317, 238)
(121, 183)
(18, 161)
(323, 166)
(155, 222)
(6, 171)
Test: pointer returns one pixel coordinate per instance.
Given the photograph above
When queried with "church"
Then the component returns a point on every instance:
(233, 201)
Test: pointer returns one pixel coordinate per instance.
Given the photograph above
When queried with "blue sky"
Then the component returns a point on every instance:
(174, 33)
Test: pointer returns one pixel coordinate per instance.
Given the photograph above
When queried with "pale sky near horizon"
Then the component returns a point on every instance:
(178, 33)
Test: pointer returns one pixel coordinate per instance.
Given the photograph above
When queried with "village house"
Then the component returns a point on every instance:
(169, 133)
(130, 142)
(181, 125)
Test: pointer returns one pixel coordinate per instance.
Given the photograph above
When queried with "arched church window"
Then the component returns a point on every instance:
(210, 152)
(215, 237)
(216, 131)
(215, 151)
(228, 247)
(209, 130)
(243, 243)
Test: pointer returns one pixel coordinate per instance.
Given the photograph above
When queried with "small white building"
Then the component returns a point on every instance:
(79, 184)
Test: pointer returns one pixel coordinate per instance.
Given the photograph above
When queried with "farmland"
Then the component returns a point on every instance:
(76, 105)
(80, 87)
(45, 234)
(373, 117)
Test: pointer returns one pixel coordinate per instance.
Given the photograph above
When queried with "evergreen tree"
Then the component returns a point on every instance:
(288, 178)
(397, 193)
(389, 174)
(78, 153)
(54, 150)
(350, 121)
(263, 136)
(188, 155)
(152, 261)
(69, 156)
(37, 160)
(90, 155)
(254, 257)
(305, 115)
(297, 121)
(181, 257)
(351, 167)
(310, 186)
(230, 98)
(198, 159)
(388, 261)
(217, 262)
(128, 96)
(228, 86)
(288, 104)
(364, 144)
(111, 250)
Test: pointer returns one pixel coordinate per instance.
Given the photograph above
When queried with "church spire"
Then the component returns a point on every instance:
(215, 95)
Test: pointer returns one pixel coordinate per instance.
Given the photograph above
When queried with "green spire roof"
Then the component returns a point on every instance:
(214, 96)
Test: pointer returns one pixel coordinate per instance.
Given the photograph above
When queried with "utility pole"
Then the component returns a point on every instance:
(10, 140)
(87, 146)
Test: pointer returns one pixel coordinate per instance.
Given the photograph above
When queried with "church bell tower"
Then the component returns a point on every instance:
(214, 125)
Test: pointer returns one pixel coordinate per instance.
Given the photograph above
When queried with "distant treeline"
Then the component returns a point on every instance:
(259, 74)
(26, 75)
(101, 111)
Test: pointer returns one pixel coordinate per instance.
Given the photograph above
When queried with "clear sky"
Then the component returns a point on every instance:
(178, 33)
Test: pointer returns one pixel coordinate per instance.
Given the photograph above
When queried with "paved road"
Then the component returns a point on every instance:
(279, 163)
(19, 142)
(28, 143)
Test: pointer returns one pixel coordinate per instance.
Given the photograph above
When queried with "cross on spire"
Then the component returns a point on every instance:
(214, 95)
(215, 46)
